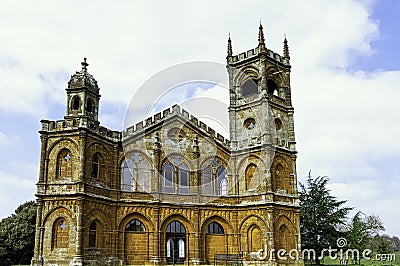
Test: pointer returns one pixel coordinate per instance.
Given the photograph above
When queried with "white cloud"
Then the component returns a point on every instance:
(14, 191)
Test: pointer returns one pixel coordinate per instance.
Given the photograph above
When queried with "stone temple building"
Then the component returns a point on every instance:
(170, 190)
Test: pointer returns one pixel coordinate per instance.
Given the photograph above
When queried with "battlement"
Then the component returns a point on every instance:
(70, 124)
(254, 53)
(169, 112)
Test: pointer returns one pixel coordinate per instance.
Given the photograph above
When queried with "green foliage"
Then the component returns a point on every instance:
(17, 235)
(321, 215)
(362, 229)
(382, 244)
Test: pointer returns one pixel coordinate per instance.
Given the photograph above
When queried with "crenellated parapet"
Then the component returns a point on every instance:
(253, 53)
(168, 113)
(79, 123)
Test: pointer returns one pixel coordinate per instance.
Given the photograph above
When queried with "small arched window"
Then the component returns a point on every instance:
(223, 187)
(76, 103)
(214, 179)
(135, 226)
(64, 164)
(272, 87)
(90, 105)
(183, 179)
(181, 248)
(168, 175)
(127, 176)
(215, 229)
(93, 235)
(95, 166)
(249, 87)
(60, 234)
(176, 177)
(251, 175)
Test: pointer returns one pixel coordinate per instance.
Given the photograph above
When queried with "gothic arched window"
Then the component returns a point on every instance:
(93, 235)
(135, 226)
(76, 103)
(176, 176)
(95, 173)
(183, 181)
(249, 87)
(272, 87)
(251, 176)
(136, 172)
(215, 229)
(254, 238)
(60, 234)
(90, 105)
(214, 179)
(64, 164)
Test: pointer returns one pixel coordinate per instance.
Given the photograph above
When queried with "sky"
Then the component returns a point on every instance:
(345, 79)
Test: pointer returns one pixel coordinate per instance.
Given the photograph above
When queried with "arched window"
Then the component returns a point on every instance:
(76, 103)
(127, 176)
(95, 166)
(136, 172)
(170, 247)
(251, 176)
(272, 87)
(135, 226)
(90, 105)
(64, 164)
(183, 179)
(208, 181)
(181, 248)
(60, 234)
(283, 238)
(176, 227)
(93, 235)
(215, 229)
(176, 177)
(249, 87)
(214, 179)
(168, 177)
(222, 181)
(254, 240)
(223, 187)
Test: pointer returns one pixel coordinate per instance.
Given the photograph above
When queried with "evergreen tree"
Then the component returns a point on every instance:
(321, 214)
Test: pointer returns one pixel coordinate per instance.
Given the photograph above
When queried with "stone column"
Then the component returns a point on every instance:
(82, 155)
(156, 243)
(38, 236)
(43, 153)
(78, 259)
(196, 238)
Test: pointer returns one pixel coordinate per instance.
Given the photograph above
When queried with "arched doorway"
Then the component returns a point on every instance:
(175, 243)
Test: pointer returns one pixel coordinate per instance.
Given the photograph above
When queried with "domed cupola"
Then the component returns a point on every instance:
(82, 79)
(83, 95)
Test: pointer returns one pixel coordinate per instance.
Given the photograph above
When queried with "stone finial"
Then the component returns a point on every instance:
(196, 149)
(261, 39)
(84, 64)
(157, 143)
(285, 48)
(229, 46)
